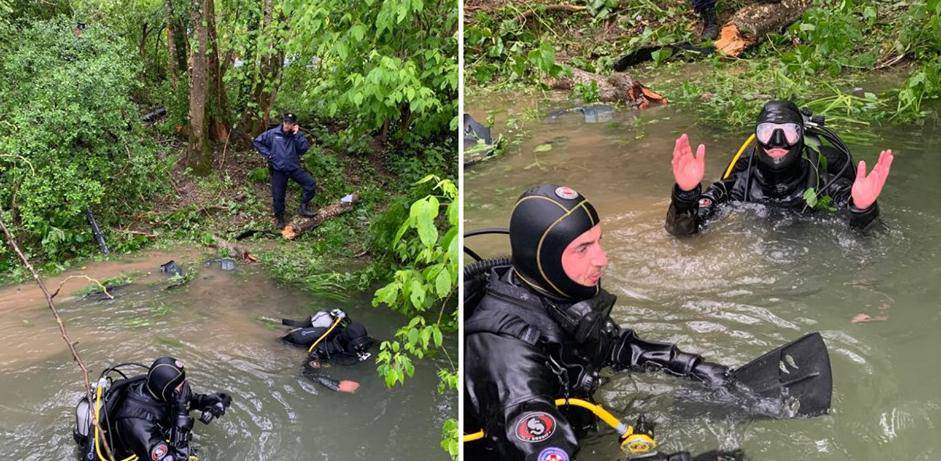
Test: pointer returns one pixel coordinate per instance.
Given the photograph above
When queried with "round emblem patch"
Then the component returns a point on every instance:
(553, 454)
(705, 202)
(535, 427)
(158, 452)
(179, 364)
(566, 192)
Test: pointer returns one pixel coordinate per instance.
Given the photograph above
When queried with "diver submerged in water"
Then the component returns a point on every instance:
(789, 168)
(330, 338)
(145, 416)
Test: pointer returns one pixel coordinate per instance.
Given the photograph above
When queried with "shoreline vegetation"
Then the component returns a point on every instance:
(857, 63)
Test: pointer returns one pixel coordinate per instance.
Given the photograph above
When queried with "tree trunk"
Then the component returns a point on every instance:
(172, 56)
(300, 224)
(218, 105)
(619, 87)
(200, 152)
(207, 94)
(268, 70)
(142, 46)
(751, 23)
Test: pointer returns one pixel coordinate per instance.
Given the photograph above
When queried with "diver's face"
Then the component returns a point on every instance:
(584, 260)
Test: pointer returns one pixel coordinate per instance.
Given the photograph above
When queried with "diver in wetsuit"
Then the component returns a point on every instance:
(148, 416)
(787, 169)
(542, 331)
(331, 338)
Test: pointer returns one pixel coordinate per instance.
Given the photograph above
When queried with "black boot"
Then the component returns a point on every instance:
(710, 29)
(307, 210)
(279, 222)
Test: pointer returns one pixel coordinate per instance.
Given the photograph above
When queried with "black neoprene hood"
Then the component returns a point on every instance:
(545, 220)
(165, 374)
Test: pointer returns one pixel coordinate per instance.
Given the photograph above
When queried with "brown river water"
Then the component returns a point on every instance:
(213, 324)
(750, 282)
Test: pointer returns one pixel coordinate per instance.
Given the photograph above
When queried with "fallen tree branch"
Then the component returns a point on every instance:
(619, 87)
(135, 232)
(300, 224)
(753, 22)
(234, 249)
(104, 289)
(553, 9)
(63, 332)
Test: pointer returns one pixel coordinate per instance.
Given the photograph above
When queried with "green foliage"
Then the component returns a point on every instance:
(69, 138)
(425, 251)
(924, 84)
(602, 9)
(498, 46)
(587, 92)
(388, 65)
(449, 437)
(829, 37)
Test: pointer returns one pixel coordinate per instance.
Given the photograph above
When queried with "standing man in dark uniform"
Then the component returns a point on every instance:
(283, 146)
(543, 331)
(782, 170)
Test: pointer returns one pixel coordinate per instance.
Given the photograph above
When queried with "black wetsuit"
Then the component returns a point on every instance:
(143, 424)
(690, 210)
(518, 360)
(340, 346)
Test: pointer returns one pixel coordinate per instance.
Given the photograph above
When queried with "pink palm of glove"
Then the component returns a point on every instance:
(867, 188)
(688, 170)
(349, 387)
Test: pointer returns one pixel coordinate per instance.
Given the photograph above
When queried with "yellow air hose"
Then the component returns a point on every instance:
(728, 171)
(598, 410)
(335, 323)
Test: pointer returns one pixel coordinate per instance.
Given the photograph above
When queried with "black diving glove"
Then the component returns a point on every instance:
(215, 404)
(711, 373)
(633, 352)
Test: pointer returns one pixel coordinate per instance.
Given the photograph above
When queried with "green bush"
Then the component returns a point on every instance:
(389, 66)
(70, 138)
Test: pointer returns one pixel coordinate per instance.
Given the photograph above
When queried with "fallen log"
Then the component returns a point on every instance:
(301, 224)
(235, 250)
(619, 87)
(751, 23)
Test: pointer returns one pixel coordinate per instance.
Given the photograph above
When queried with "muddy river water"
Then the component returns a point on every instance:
(213, 324)
(750, 282)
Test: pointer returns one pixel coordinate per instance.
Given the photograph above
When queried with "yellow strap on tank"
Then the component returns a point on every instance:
(101, 457)
(324, 335)
(598, 411)
(728, 171)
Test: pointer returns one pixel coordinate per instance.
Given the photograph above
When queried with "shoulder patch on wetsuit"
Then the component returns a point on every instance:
(158, 452)
(553, 454)
(705, 202)
(535, 426)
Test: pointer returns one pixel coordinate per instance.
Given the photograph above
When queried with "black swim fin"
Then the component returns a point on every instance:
(797, 373)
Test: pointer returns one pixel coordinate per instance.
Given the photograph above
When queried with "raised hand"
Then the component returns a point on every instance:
(688, 170)
(867, 188)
